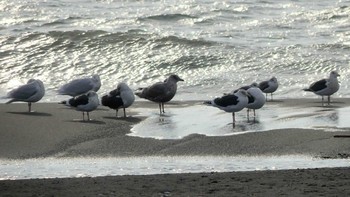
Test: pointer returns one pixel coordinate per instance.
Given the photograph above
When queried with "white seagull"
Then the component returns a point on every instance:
(31, 92)
(325, 87)
(81, 86)
(269, 86)
(231, 102)
(121, 97)
(160, 92)
(256, 100)
(85, 103)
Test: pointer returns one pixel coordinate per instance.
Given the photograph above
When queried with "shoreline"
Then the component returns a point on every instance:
(52, 131)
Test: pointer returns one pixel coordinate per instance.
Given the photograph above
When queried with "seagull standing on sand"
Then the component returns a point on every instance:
(231, 102)
(160, 92)
(85, 103)
(81, 86)
(325, 87)
(269, 86)
(31, 92)
(256, 100)
(121, 97)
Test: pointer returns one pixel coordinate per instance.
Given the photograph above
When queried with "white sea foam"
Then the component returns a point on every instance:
(111, 166)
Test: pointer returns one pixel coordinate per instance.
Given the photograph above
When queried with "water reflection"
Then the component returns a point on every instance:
(181, 122)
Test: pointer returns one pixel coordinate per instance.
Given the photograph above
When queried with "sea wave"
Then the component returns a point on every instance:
(167, 17)
(214, 45)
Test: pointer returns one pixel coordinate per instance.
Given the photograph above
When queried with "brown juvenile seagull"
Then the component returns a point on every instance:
(160, 92)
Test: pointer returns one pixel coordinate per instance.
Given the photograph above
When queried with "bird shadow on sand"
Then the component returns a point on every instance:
(274, 101)
(328, 107)
(87, 121)
(127, 119)
(31, 113)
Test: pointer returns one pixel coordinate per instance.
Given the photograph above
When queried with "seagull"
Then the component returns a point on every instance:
(85, 102)
(231, 102)
(325, 87)
(31, 92)
(81, 86)
(121, 97)
(256, 100)
(246, 87)
(160, 92)
(269, 86)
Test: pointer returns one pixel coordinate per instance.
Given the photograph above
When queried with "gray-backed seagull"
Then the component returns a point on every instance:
(121, 97)
(31, 92)
(160, 92)
(325, 87)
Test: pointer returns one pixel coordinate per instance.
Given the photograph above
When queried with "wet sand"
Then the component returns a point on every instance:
(312, 182)
(54, 131)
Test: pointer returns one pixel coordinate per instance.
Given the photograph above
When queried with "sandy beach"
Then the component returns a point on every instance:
(53, 130)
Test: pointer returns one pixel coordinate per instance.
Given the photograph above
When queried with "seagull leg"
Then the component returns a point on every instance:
(248, 115)
(83, 116)
(124, 112)
(163, 107)
(29, 107)
(160, 108)
(322, 101)
(233, 120)
(116, 113)
(254, 115)
(88, 116)
(266, 96)
(329, 100)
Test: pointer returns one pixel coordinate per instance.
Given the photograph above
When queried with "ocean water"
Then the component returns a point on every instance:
(214, 45)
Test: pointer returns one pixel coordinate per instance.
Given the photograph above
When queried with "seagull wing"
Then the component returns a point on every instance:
(24, 92)
(226, 100)
(77, 87)
(113, 102)
(263, 85)
(318, 85)
(78, 100)
(114, 92)
(251, 98)
(155, 92)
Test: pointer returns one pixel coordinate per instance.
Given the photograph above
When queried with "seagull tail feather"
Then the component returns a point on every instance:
(307, 89)
(63, 102)
(139, 92)
(10, 101)
(207, 103)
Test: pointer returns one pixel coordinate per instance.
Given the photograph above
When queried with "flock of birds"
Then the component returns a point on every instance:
(85, 99)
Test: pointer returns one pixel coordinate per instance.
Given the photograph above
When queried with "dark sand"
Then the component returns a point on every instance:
(52, 131)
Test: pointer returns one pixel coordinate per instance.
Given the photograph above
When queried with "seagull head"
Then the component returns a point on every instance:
(175, 78)
(122, 86)
(254, 84)
(91, 94)
(273, 79)
(334, 74)
(96, 77)
(30, 81)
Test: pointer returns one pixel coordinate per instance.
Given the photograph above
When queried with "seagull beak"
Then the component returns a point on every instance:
(181, 79)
